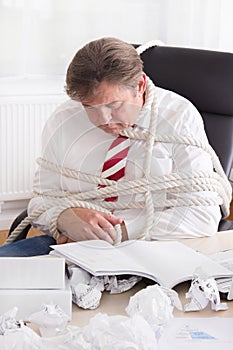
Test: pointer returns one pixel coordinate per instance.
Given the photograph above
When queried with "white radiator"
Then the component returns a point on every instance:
(21, 122)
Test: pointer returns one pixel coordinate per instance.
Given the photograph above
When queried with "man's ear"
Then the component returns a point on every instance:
(142, 84)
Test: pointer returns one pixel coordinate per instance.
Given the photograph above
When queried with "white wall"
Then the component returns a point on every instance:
(41, 36)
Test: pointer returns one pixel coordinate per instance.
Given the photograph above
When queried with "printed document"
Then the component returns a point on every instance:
(213, 333)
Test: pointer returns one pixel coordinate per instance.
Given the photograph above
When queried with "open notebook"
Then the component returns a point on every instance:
(167, 263)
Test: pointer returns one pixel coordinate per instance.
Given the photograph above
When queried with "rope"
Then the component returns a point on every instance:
(138, 186)
(148, 45)
(173, 183)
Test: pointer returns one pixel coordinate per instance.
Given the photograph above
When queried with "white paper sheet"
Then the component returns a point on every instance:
(198, 333)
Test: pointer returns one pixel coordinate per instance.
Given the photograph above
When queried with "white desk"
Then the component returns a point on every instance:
(114, 304)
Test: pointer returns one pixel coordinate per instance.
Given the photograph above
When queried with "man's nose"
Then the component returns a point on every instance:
(104, 115)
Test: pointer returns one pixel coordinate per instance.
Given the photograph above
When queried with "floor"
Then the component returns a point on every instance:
(3, 235)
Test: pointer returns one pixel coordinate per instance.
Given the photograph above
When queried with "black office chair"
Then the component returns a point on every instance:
(206, 79)
(16, 222)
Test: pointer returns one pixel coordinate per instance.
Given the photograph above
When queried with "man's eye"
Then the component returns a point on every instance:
(115, 105)
(90, 108)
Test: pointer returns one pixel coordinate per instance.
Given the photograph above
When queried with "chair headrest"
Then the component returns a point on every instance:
(204, 77)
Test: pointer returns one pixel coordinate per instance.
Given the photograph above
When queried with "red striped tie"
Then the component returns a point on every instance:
(114, 165)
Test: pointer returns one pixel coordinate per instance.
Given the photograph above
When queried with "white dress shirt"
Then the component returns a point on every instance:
(70, 140)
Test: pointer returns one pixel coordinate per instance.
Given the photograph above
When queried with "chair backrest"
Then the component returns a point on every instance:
(206, 79)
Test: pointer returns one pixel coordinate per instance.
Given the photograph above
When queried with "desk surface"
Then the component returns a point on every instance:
(114, 304)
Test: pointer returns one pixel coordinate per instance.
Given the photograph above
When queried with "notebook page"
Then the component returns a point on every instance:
(98, 257)
(171, 262)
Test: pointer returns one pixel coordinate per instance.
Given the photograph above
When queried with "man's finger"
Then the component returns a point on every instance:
(112, 219)
(102, 234)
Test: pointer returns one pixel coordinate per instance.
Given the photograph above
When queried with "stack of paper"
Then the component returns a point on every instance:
(29, 283)
(225, 258)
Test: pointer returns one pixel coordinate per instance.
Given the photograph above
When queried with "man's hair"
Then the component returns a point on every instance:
(106, 59)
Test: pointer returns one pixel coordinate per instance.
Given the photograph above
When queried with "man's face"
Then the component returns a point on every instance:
(113, 107)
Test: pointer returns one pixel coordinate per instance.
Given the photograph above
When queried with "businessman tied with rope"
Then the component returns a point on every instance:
(122, 159)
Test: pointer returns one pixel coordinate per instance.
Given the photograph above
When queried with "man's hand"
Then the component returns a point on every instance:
(63, 239)
(79, 224)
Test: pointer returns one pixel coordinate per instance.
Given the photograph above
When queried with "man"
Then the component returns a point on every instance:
(110, 95)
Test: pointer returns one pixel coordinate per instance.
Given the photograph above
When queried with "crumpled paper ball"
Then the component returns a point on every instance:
(87, 289)
(106, 333)
(15, 335)
(117, 333)
(153, 304)
(202, 292)
(51, 320)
